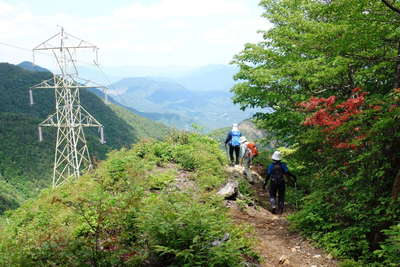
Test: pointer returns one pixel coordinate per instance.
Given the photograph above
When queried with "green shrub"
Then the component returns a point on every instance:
(125, 213)
(350, 263)
(390, 249)
(180, 232)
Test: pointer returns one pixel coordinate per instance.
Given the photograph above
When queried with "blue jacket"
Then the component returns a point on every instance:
(285, 172)
(229, 138)
(283, 165)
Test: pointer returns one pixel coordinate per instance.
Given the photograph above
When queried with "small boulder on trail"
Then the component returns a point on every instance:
(230, 190)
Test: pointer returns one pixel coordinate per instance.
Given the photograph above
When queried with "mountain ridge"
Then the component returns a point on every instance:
(27, 65)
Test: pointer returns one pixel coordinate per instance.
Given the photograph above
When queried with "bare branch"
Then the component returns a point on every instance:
(371, 59)
(391, 6)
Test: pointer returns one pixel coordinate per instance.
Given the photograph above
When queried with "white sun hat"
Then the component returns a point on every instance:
(235, 127)
(277, 155)
(242, 139)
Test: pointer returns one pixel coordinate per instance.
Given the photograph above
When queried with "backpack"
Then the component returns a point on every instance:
(253, 149)
(277, 173)
(235, 141)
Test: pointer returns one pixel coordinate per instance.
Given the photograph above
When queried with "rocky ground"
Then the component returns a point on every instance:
(275, 243)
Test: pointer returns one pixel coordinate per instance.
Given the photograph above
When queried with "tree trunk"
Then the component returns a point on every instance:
(396, 83)
(396, 186)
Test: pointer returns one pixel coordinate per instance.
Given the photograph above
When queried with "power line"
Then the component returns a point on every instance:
(79, 61)
(16, 47)
(106, 92)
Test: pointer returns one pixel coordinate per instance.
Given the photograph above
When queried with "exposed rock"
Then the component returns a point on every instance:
(184, 183)
(236, 172)
(230, 190)
(256, 177)
(219, 242)
(283, 260)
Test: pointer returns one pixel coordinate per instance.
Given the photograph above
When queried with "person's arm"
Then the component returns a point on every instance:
(228, 138)
(268, 175)
(288, 173)
(293, 176)
(242, 151)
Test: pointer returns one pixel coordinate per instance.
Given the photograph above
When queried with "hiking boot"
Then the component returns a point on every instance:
(273, 209)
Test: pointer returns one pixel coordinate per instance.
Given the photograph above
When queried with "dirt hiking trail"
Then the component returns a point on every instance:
(275, 243)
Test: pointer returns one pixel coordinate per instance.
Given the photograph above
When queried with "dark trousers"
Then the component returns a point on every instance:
(277, 188)
(235, 149)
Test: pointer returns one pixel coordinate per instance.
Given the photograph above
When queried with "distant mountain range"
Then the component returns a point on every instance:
(211, 109)
(175, 95)
(217, 75)
(209, 78)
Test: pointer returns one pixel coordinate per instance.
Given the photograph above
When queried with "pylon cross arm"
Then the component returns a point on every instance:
(87, 120)
(73, 42)
(51, 121)
(47, 84)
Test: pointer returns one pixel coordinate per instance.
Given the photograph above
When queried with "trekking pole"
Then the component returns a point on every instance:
(227, 153)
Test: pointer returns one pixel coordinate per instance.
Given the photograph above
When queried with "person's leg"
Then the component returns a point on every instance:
(281, 197)
(237, 150)
(249, 167)
(245, 159)
(247, 162)
(231, 154)
(272, 195)
(241, 155)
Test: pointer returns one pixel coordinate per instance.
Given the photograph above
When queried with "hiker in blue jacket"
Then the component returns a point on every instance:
(276, 172)
(233, 139)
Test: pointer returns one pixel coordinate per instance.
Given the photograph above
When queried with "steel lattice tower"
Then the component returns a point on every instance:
(71, 151)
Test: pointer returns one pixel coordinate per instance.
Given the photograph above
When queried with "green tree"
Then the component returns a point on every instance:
(347, 140)
(317, 48)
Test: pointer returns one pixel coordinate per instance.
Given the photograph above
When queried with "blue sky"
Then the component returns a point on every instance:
(136, 32)
(79, 7)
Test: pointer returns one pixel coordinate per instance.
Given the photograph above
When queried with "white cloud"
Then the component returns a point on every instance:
(167, 32)
(5, 9)
(182, 8)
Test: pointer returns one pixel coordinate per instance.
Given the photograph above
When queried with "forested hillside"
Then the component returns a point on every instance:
(25, 163)
(331, 72)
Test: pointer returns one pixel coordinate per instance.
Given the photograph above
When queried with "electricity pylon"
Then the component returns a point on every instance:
(71, 152)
